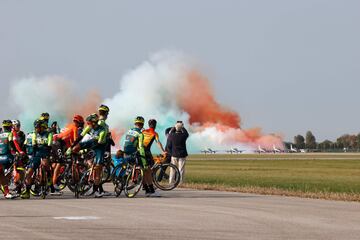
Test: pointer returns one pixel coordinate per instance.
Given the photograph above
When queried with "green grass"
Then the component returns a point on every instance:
(291, 175)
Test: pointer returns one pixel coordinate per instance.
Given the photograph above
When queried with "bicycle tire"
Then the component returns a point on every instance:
(63, 179)
(134, 182)
(106, 174)
(118, 179)
(85, 186)
(160, 183)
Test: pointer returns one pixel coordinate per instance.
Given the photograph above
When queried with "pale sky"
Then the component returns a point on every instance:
(285, 66)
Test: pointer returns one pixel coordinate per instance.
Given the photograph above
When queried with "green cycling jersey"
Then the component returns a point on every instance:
(134, 141)
(103, 126)
(99, 133)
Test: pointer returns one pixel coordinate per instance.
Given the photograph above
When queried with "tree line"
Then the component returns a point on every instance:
(347, 142)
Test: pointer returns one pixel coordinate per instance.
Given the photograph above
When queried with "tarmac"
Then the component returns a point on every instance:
(179, 214)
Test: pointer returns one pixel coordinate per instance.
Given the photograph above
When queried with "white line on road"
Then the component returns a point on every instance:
(77, 218)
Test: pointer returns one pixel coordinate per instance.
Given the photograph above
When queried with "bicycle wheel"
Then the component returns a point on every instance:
(35, 189)
(134, 181)
(9, 175)
(161, 176)
(62, 180)
(85, 185)
(118, 179)
(69, 183)
(106, 174)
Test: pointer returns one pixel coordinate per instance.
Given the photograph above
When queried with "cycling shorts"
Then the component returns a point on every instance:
(6, 160)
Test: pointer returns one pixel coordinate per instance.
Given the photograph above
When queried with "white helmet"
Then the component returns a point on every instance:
(16, 123)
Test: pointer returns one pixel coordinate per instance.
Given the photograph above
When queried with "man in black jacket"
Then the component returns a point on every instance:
(176, 146)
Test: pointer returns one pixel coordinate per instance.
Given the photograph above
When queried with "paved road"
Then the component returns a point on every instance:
(181, 214)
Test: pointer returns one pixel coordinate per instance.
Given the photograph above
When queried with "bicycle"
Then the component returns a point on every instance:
(120, 174)
(134, 176)
(77, 167)
(161, 174)
(118, 177)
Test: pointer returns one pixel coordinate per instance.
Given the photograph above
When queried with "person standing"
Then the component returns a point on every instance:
(151, 136)
(176, 145)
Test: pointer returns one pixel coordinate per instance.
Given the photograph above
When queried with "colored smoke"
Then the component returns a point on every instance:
(167, 87)
(52, 94)
(197, 99)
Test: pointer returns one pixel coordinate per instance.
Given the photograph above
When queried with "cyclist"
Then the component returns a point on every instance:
(41, 145)
(6, 158)
(149, 137)
(45, 117)
(97, 142)
(134, 142)
(18, 149)
(103, 115)
(63, 141)
(54, 129)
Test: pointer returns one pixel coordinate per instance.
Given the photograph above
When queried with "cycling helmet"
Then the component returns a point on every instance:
(16, 123)
(38, 123)
(152, 123)
(104, 108)
(79, 119)
(139, 120)
(92, 118)
(45, 116)
(6, 123)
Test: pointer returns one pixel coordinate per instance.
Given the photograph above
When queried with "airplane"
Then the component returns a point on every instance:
(261, 150)
(292, 149)
(209, 151)
(276, 150)
(235, 150)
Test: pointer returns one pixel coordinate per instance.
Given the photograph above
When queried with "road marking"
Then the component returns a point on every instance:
(77, 218)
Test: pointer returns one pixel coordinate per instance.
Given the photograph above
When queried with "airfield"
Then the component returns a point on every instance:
(181, 214)
(197, 214)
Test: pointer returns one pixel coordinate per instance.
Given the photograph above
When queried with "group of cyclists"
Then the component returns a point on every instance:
(44, 151)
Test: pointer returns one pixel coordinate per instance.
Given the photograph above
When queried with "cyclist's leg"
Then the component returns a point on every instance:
(107, 152)
(148, 180)
(98, 163)
(3, 179)
(58, 150)
(56, 174)
(5, 163)
(33, 166)
(19, 173)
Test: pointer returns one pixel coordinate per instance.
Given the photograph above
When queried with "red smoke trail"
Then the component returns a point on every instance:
(85, 106)
(117, 135)
(197, 99)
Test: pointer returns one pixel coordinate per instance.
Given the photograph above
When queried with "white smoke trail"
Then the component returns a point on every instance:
(33, 96)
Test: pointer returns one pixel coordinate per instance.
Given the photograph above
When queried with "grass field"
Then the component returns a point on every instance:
(328, 176)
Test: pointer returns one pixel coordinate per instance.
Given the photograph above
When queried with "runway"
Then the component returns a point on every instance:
(181, 214)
